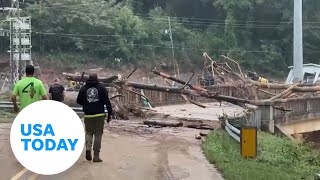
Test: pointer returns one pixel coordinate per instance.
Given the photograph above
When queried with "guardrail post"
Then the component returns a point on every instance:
(267, 121)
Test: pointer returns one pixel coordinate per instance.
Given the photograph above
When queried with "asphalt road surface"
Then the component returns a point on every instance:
(130, 151)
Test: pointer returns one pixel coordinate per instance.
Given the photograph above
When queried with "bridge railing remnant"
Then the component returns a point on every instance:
(282, 111)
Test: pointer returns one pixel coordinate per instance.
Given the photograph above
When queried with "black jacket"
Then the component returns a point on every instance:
(93, 96)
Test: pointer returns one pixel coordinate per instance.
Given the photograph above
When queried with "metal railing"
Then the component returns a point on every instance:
(232, 131)
(9, 105)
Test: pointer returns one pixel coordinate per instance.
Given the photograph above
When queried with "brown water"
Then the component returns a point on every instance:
(313, 138)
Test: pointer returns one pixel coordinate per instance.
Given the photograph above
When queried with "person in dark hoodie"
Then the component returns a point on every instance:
(93, 97)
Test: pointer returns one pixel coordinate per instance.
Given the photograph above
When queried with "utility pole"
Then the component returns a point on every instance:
(175, 63)
(297, 42)
(20, 40)
(11, 52)
(19, 24)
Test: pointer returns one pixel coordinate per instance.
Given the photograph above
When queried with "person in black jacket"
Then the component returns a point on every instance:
(93, 97)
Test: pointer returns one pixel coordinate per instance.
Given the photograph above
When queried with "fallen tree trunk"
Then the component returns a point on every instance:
(269, 85)
(188, 100)
(179, 81)
(201, 92)
(206, 94)
(299, 88)
(289, 90)
(286, 95)
(268, 102)
(80, 78)
(306, 89)
(163, 123)
(267, 92)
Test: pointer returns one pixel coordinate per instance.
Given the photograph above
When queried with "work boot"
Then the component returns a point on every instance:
(96, 158)
(88, 155)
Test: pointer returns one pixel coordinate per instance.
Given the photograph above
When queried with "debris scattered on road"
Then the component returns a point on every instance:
(204, 133)
(197, 137)
(163, 123)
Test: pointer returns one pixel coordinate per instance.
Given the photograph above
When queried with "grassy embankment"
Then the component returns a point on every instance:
(278, 158)
(6, 116)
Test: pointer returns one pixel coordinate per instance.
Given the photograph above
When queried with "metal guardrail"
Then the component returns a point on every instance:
(232, 131)
(7, 102)
(9, 105)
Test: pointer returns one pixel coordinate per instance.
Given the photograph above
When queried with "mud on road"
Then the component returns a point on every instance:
(131, 151)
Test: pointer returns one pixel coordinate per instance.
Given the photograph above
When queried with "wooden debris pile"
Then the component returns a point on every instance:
(249, 89)
(224, 74)
(123, 110)
(246, 90)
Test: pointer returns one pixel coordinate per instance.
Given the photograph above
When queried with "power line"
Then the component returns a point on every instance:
(182, 19)
(71, 5)
(87, 35)
(207, 25)
(168, 47)
(185, 20)
(163, 19)
(147, 15)
(250, 26)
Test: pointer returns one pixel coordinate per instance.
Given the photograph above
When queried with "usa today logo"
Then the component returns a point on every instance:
(47, 137)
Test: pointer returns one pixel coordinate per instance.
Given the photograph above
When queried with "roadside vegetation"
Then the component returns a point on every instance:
(278, 158)
(5, 96)
(6, 117)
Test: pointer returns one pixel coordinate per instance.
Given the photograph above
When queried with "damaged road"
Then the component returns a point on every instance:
(130, 150)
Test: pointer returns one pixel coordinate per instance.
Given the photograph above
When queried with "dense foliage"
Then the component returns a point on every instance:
(258, 33)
